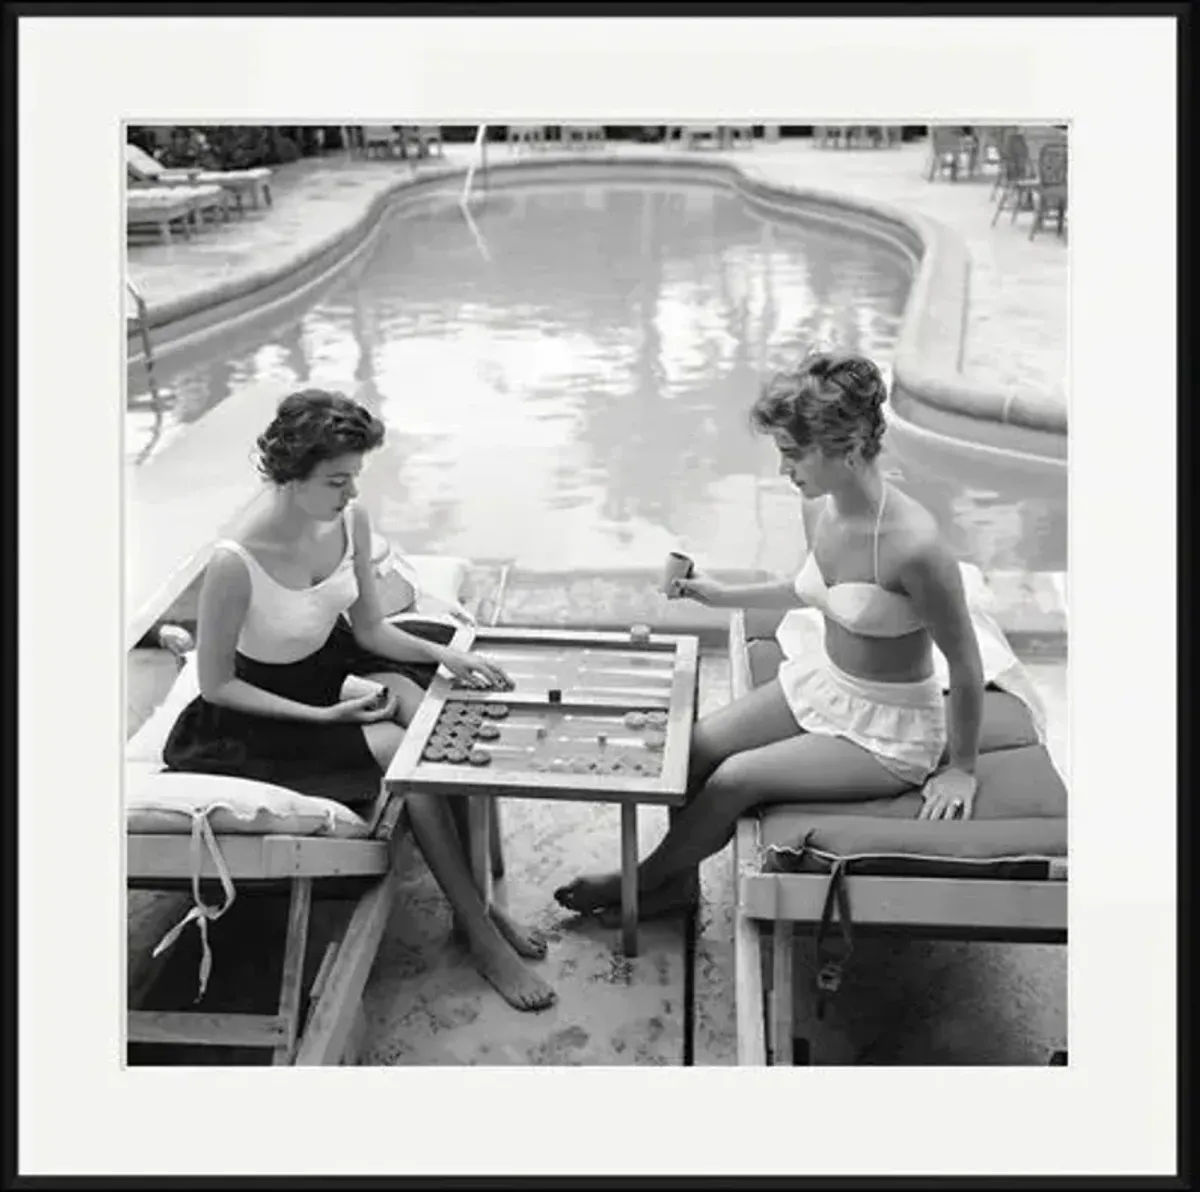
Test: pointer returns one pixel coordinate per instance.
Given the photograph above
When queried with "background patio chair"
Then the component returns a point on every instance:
(382, 139)
(1050, 190)
(947, 147)
(691, 136)
(532, 135)
(583, 135)
(1017, 180)
(423, 138)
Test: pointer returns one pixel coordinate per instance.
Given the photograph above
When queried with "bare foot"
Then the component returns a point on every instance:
(678, 895)
(587, 893)
(528, 941)
(512, 980)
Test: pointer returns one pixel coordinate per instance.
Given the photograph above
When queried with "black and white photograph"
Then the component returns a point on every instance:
(598, 591)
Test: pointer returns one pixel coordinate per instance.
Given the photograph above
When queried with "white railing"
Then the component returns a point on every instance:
(143, 326)
(480, 158)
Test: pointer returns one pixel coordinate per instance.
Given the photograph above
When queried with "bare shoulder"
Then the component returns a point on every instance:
(914, 537)
(226, 569)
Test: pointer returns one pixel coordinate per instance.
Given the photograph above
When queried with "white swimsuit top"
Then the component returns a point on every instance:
(863, 608)
(286, 624)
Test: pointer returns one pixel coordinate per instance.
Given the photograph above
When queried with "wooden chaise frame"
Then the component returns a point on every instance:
(327, 1026)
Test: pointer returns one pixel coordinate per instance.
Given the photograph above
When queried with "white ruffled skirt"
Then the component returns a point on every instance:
(903, 725)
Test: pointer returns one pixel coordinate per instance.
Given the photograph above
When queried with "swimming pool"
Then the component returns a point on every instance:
(566, 384)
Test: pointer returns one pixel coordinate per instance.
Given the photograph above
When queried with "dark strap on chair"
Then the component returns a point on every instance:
(833, 954)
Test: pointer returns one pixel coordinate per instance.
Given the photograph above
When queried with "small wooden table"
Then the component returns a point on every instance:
(591, 743)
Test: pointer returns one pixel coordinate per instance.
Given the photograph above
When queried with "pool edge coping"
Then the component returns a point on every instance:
(929, 392)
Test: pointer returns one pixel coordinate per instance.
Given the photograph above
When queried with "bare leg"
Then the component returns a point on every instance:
(799, 768)
(493, 937)
(758, 718)
(528, 941)
(438, 839)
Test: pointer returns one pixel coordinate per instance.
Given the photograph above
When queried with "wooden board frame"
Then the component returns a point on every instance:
(668, 788)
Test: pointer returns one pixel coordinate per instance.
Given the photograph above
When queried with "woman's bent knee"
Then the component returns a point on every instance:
(383, 740)
(734, 780)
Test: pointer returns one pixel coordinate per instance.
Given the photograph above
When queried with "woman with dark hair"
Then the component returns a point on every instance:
(868, 717)
(302, 681)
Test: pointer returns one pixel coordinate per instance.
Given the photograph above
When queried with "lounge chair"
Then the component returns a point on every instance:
(253, 183)
(843, 870)
(161, 206)
(385, 139)
(583, 134)
(532, 135)
(223, 838)
(693, 135)
(423, 138)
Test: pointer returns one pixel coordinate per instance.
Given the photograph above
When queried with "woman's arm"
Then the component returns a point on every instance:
(777, 594)
(932, 579)
(371, 631)
(224, 598)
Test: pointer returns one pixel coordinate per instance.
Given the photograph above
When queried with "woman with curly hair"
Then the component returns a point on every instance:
(302, 681)
(867, 718)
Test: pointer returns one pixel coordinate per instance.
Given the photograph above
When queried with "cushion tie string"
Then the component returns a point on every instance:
(200, 913)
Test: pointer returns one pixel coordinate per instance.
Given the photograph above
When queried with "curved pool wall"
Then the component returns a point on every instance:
(929, 393)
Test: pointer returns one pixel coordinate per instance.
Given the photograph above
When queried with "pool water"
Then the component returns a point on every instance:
(566, 383)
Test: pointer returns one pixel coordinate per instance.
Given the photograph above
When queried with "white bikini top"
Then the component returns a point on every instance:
(863, 608)
(286, 624)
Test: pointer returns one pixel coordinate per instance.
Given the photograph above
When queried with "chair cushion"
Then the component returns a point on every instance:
(424, 585)
(158, 802)
(1020, 806)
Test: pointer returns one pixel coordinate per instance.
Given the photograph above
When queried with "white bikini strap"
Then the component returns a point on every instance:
(236, 547)
(878, 523)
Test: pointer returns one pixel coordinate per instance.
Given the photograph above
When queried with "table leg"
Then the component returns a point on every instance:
(629, 866)
(479, 814)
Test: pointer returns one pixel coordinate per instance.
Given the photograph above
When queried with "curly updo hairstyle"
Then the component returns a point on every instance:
(830, 400)
(311, 427)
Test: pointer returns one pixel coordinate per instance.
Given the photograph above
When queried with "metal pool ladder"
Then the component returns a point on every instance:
(479, 159)
(464, 202)
(143, 327)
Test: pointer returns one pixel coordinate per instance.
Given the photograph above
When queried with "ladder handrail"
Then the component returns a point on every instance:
(480, 153)
(143, 326)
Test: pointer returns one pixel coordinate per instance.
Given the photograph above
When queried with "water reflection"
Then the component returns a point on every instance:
(578, 397)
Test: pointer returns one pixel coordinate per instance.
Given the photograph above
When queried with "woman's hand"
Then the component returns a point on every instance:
(949, 794)
(699, 588)
(382, 704)
(475, 670)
